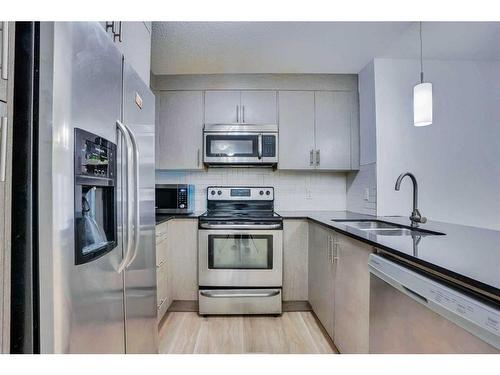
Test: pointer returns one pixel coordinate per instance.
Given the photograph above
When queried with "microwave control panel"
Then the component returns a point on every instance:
(182, 197)
(268, 145)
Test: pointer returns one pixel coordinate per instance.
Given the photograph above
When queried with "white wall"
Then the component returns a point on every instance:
(457, 159)
(293, 190)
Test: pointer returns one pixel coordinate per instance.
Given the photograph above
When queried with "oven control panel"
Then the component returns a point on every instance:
(240, 193)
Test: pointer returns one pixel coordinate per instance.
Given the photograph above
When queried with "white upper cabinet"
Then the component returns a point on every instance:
(333, 129)
(222, 107)
(3, 56)
(296, 129)
(258, 107)
(318, 130)
(134, 41)
(231, 107)
(179, 127)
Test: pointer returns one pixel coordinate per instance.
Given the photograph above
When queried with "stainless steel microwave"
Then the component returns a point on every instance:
(174, 199)
(240, 144)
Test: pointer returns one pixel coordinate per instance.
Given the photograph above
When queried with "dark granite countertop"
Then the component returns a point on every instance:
(469, 254)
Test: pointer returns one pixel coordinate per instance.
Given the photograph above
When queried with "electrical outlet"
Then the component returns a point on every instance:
(308, 194)
(367, 194)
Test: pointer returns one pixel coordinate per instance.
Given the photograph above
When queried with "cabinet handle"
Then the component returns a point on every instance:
(317, 157)
(110, 26)
(3, 149)
(311, 158)
(243, 113)
(335, 251)
(237, 113)
(119, 34)
(198, 157)
(5, 49)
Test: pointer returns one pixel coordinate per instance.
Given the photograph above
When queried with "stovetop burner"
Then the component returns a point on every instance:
(239, 205)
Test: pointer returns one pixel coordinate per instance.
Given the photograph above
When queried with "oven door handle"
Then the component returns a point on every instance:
(225, 294)
(240, 226)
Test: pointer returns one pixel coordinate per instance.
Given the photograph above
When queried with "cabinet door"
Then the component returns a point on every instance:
(179, 130)
(136, 48)
(258, 107)
(3, 82)
(295, 260)
(333, 129)
(182, 259)
(296, 129)
(321, 277)
(352, 295)
(222, 107)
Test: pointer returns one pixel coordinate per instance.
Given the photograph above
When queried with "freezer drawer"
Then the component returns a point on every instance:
(239, 301)
(410, 313)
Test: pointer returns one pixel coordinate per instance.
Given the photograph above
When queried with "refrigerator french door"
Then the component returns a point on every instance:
(140, 275)
(74, 77)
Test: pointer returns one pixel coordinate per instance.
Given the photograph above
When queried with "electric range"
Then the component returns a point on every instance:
(240, 252)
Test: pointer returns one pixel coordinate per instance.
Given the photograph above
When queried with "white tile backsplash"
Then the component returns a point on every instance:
(357, 183)
(294, 190)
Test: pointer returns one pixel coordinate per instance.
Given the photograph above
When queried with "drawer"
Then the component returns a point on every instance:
(239, 301)
(161, 282)
(161, 252)
(161, 230)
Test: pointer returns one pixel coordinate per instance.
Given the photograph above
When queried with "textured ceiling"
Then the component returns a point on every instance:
(310, 47)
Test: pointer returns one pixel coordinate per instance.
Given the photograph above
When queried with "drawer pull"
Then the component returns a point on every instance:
(238, 295)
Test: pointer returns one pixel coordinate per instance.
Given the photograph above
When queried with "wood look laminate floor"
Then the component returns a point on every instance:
(292, 332)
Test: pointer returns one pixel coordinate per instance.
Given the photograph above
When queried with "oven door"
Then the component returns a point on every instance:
(240, 258)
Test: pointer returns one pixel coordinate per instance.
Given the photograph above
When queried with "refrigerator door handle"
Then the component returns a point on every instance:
(128, 222)
(136, 224)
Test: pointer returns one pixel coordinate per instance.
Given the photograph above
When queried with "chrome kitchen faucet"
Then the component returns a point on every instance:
(415, 217)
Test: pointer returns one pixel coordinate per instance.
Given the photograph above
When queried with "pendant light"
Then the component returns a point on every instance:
(422, 96)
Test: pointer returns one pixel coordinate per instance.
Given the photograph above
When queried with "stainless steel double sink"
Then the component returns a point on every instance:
(383, 228)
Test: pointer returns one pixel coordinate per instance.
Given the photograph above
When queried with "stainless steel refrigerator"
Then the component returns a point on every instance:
(84, 275)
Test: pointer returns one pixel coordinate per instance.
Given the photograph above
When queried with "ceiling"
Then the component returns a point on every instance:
(311, 47)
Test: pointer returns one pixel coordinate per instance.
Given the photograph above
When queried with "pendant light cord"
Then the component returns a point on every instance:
(421, 58)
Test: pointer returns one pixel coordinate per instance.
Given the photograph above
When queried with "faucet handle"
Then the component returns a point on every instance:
(423, 220)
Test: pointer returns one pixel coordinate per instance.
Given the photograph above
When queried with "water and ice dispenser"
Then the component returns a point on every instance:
(95, 196)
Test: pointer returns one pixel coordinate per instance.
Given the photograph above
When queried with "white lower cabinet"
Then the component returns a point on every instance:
(339, 287)
(182, 259)
(352, 295)
(176, 262)
(295, 260)
(321, 276)
(162, 298)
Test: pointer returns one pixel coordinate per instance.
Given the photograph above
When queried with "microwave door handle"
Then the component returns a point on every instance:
(136, 218)
(126, 221)
(260, 146)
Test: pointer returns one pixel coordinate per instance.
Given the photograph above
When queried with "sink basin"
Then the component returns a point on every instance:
(382, 228)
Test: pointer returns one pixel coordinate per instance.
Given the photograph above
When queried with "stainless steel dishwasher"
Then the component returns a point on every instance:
(412, 313)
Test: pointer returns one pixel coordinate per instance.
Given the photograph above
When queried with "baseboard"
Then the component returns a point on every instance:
(183, 306)
(290, 306)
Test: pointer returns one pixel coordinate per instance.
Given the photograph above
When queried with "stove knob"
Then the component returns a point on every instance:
(182, 206)
(219, 192)
(212, 192)
(261, 192)
(268, 192)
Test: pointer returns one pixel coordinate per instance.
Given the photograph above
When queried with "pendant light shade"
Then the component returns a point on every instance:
(422, 96)
(422, 104)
